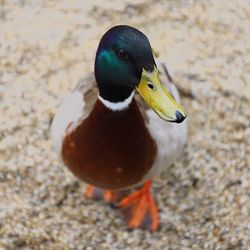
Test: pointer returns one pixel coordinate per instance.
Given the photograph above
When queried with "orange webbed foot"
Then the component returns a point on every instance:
(95, 193)
(107, 195)
(140, 210)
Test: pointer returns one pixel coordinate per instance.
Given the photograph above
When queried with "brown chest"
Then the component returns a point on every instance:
(110, 149)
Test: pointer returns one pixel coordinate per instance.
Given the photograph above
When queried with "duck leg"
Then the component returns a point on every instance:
(140, 210)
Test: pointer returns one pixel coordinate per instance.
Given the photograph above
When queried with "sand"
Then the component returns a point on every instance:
(46, 47)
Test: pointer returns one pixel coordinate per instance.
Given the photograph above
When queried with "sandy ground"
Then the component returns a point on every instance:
(204, 199)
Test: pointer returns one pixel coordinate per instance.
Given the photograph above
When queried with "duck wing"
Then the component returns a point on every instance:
(74, 108)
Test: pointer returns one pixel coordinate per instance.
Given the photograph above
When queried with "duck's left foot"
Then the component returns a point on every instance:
(140, 210)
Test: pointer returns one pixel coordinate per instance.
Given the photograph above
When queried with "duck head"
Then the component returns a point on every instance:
(124, 62)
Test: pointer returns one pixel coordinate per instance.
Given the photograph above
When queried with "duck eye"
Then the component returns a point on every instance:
(151, 86)
(121, 54)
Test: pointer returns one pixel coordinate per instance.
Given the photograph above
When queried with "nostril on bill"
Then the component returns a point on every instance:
(179, 117)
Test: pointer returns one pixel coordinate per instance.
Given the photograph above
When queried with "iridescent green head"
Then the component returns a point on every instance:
(124, 62)
(122, 54)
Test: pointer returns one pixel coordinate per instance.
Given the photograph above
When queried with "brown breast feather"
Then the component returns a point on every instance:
(111, 150)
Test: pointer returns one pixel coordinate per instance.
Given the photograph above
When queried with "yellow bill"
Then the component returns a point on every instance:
(158, 98)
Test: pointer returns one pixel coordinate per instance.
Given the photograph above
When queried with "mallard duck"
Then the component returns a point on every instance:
(110, 137)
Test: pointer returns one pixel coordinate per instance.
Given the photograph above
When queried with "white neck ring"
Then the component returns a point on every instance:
(117, 106)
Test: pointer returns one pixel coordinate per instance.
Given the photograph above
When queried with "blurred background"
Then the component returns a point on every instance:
(46, 47)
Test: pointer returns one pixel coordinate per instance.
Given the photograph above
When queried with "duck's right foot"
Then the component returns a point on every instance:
(110, 196)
